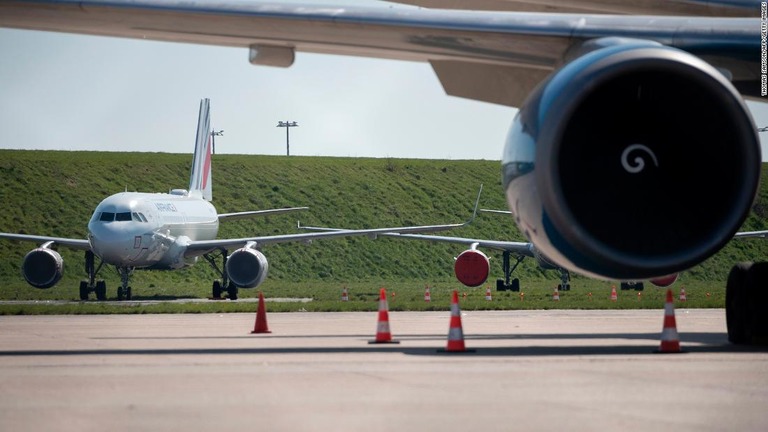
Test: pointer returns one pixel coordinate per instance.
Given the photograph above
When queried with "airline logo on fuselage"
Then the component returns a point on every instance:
(166, 207)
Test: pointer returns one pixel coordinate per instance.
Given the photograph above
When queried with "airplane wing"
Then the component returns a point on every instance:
(518, 248)
(79, 244)
(196, 248)
(735, 8)
(496, 57)
(248, 214)
(762, 234)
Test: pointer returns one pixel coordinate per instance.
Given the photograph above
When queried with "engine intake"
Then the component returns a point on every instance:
(633, 161)
(247, 267)
(42, 268)
(472, 268)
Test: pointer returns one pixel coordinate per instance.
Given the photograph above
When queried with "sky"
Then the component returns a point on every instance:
(70, 92)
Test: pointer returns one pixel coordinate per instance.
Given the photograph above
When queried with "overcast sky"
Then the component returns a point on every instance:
(70, 92)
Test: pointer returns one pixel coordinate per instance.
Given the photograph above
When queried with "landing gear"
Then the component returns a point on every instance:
(565, 279)
(505, 284)
(220, 286)
(91, 284)
(124, 291)
(745, 294)
(637, 286)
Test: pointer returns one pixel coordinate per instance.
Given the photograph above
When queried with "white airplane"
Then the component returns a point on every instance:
(168, 231)
(633, 154)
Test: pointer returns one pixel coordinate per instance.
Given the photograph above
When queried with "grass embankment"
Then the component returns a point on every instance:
(54, 193)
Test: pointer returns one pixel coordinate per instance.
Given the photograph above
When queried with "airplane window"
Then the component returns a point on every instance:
(123, 217)
(107, 217)
(143, 218)
(135, 217)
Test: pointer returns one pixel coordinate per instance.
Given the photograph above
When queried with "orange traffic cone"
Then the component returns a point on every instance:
(345, 294)
(427, 295)
(614, 297)
(383, 335)
(682, 294)
(261, 317)
(488, 295)
(670, 342)
(455, 332)
(556, 295)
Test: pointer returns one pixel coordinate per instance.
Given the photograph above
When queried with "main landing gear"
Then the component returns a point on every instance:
(504, 284)
(637, 286)
(745, 299)
(223, 285)
(91, 285)
(514, 285)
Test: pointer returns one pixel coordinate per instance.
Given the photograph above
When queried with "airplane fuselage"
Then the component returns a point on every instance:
(146, 230)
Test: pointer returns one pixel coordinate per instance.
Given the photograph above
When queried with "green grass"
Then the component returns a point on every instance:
(53, 193)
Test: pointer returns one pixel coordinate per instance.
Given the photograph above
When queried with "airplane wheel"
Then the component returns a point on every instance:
(500, 285)
(128, 293)
(101, 290)
(84, 290)
(567, 287)
(639, 286)
(757, 278)
(120, 293)
(736, 303)
(625, 286)
(515, 284)
(232, 291)
(217, 289)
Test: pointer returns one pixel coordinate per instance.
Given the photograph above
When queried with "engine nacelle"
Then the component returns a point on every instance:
(247, 267)
(632, 162)
(42, 267)
(472, 268)
(664, 281)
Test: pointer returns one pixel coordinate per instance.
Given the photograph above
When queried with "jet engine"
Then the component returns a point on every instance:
(472, 268)
(631, 162)
(247, 267)
(42, 267)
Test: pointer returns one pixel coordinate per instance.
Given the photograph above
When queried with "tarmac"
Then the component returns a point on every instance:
(530, 371)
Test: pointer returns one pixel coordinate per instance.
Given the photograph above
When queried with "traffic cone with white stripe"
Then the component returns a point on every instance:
(488, 295)
(427, 295)
(556, 295)
(455, 332)
(670, 342)
(261, 317)
(682, 295)
(345, 294)
(614, 297)
(383, 334)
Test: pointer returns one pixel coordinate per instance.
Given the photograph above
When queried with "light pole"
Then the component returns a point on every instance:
(214, 134)
(287, 125)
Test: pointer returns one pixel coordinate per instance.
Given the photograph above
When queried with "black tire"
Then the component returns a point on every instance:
(625, 286)
(737, 304)
(101, 290)
(120, 294)
(515, 286)
(500, 285)
(128, 293)
(216, 291)
(84, 290)
(567, 287)
(757, 295)
(232, 291)
(639, 286)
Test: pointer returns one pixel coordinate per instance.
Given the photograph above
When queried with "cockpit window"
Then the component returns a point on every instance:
(107, 217)
(138, 217)
(123, 217)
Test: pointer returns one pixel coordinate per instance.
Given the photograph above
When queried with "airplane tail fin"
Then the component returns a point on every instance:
(200, 180)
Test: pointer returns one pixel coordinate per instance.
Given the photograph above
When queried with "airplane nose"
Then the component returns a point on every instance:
(115, 246)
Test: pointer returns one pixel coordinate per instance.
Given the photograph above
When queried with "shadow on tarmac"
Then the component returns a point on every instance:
(690, 342)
